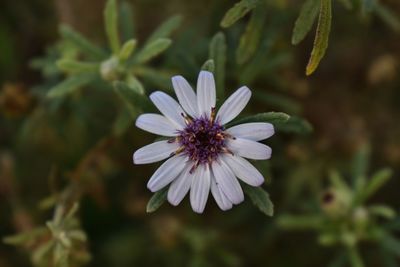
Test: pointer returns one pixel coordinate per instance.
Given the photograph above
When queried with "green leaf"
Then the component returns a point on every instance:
(391, 244)
(127, 49)
(338, 182)
(208, 65)
(383, 211)
(388, 17)
(260, 199)
(152, 50)
(238, 11)
(80, 42)
(321, 36)
(304, 22)
(73, 66)
(360, 165)
(295, 125)
(355, 257)
(70, 84)
(126, 21)
(157, 200)
(165, 29)
(111, 25)
(275, 118)
(25, 237)
(376, 182)
(250, 39)
(131, 97)
(218, 54)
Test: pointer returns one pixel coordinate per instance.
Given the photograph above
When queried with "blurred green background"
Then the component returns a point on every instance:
(351, 101)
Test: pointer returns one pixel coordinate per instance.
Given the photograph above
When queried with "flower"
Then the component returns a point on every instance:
(203, 155)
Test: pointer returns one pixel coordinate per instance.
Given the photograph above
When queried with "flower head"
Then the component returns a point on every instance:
(202, 154)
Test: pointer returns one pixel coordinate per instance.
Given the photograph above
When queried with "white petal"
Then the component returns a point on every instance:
(255, 131)
(222, 201)
(180, 186)
(200, 188)
(205, 93)
(186, 96)
(154, 152)
(169, 107)
(166, 173)
(157, 124)
(244, 170)
(234, 105)
(249, 149)
(227, 181)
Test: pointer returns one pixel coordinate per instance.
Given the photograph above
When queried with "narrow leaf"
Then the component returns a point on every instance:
(126, 21)
(250, 39)
(111, 25)
(388, 17)
(73, 66)
(127, 49)
(208, 65)
(260, 199)
(70, 84)
(304, 22)
(382, 211)
(165, 29)
(238, 11)
(355, 257)
(296, 125)
(275, 118)
(376, 182)
(131, 97)
(321, 37)
(152, 50)
(218, 54)
(80, 42)
(157, 200)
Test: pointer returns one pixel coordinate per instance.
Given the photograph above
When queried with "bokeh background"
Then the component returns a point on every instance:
(352, 99)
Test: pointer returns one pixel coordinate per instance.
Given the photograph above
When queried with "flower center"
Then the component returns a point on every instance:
(202, 140)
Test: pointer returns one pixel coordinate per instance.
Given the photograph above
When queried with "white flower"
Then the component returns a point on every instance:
(203, 155)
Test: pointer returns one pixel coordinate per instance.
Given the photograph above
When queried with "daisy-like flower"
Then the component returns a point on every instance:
(202, 154)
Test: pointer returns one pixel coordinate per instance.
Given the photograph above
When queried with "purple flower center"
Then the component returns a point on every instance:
(202, 140)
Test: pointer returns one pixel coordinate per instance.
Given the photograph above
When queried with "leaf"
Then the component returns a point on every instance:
(208, 65)
(295, 125)
(376, 182)
(304, 22)
(275, 118)
(238, 11)
(218, 54)
(73, 66)
(25, 237)
(260, 199)
(157, 200)
(360, 165)
(165, 29)
(321, 36)
(152, 50)
(391, 244)
(355, 257)
(80, 42)
(111, 25)
(130, 97)
(250, 39)
(383, 211)
(70, 84)
(388, 17)
(127, 49)
(338, 182)
(126, 21)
